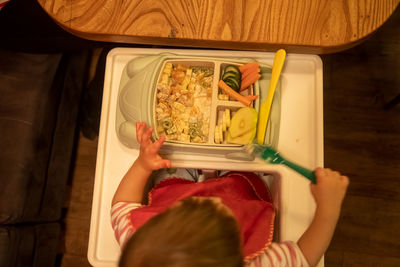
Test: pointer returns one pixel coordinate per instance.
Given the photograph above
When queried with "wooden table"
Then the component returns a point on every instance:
(303, 26)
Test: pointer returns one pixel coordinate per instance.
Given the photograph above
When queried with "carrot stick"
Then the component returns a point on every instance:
(250, 71)
(249, 81)
(242, 99)
(249, 77)
(242, 68)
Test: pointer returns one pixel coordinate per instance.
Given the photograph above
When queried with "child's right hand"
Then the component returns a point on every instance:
(149, 159)
(329, 191)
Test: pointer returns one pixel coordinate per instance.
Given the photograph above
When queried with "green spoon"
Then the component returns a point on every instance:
(272, 156)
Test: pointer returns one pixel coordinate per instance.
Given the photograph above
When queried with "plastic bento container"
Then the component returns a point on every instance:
(137, 102)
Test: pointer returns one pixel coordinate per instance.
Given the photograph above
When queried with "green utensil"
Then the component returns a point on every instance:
(272, 156)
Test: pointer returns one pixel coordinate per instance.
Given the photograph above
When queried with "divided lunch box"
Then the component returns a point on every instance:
(138, 100)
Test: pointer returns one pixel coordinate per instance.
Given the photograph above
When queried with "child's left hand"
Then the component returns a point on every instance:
(149, 159)
(132, 185)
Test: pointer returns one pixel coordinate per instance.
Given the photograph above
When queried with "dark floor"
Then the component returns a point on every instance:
(362, 140)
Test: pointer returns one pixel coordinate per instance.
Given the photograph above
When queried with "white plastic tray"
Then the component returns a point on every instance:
(301, 140)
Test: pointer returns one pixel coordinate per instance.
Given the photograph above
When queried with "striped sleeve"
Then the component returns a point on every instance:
(286, 254)
(121, 222)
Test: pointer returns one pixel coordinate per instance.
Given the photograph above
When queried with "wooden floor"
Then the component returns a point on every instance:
(362, 140)
(77, 219)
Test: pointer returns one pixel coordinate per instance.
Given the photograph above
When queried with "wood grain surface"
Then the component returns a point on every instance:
(310, 26)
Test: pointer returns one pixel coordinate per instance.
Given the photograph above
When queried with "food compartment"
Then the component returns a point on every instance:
(183, 101)
(231, 130)
(231, 75)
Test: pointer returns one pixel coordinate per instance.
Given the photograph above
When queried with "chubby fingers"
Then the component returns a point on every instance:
(140, 127)
(319, 171)
(146, 135)
(322, 173)
(345, 180)
(157, 144)
(326, 172)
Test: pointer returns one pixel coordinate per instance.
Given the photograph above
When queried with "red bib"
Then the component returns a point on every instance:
(244, 193)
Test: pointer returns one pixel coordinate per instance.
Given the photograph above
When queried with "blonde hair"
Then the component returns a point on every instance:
(193, 233)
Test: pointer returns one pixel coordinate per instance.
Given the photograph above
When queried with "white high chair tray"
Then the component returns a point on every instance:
(300, 139)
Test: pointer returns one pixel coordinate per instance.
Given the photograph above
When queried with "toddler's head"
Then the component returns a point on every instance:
(194, 232)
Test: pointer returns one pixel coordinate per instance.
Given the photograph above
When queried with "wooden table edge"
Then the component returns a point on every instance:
(193, 43)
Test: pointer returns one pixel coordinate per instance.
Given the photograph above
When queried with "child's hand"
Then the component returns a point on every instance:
(149, 159)
(329, 191)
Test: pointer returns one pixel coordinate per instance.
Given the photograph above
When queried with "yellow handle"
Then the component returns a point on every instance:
(265, 108)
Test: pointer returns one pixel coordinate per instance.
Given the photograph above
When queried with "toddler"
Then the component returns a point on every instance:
(225, 221)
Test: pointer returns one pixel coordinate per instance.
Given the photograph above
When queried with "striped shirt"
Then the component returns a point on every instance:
(278, 254)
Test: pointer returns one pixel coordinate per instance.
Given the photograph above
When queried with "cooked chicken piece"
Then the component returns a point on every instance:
(176, 88)
(178, 76)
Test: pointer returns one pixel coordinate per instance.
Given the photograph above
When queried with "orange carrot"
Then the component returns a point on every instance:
(250, 71)
(242, 99)
(252, 78)
(244, 67)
